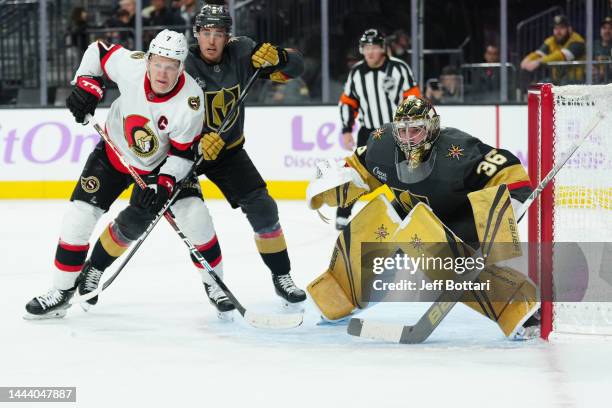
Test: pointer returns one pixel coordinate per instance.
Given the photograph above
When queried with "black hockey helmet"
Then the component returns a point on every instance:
(213, 15)
(371, 36)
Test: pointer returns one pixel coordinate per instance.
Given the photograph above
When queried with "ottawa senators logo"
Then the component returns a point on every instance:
(141, 139)
(137, 55)
(194, 102)
(219, 104)
(90, 184)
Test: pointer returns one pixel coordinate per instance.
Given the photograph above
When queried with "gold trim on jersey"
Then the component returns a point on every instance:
(236, 143)
(508, 175)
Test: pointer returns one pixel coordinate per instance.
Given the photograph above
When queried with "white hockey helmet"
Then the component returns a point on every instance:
(170, 44)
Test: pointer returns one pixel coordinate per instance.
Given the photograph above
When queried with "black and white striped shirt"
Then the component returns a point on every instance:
(373, 94)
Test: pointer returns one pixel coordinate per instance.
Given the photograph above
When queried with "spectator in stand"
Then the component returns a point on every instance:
(563, 45)
(491, 54)
(485, 81)
(188, 10)
(162, 15)
(292, 92)
(78, 31)
(602, 52)
(125, 19)
(448, 89)
(159, 14)
(399, 45)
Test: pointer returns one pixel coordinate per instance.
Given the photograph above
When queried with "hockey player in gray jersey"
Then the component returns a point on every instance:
(222, 65)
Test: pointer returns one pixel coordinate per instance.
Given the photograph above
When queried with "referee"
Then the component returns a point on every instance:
(374, 88)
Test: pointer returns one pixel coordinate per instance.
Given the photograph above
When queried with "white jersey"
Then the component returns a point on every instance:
(147, 128)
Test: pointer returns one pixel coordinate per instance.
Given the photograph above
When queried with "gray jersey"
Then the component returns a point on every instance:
(223, 82)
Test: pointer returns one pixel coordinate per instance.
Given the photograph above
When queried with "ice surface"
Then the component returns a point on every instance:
(154, 340)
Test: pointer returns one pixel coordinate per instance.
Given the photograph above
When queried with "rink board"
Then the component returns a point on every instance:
(42, 151)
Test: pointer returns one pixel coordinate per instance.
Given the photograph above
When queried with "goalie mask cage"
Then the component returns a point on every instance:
(575, 207)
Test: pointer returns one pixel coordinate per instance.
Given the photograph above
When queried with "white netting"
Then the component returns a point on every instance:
(583, 211)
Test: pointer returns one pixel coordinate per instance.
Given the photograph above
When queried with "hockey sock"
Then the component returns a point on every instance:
(211, 251)
(111, 244)
(273, 250)
(69, 260)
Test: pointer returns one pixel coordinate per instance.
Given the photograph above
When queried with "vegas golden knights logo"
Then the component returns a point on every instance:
(219, 104)
(140, 138)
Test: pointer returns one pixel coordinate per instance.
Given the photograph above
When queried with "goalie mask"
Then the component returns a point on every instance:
(416, 127)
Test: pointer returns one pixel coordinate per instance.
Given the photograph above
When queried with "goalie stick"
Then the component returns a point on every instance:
(419, 332)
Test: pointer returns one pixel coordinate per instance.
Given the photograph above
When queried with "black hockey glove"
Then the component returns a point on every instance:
(85, 97)
(155, 196)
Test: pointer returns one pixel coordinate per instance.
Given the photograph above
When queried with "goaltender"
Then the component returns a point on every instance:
(446, 186)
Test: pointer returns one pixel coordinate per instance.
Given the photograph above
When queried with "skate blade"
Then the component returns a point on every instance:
(56, 314)
(226, 316)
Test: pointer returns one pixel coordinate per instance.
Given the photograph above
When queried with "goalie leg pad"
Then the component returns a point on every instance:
(337, 292)
(511, 297)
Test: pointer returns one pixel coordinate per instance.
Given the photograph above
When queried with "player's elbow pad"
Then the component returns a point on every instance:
(335, 185)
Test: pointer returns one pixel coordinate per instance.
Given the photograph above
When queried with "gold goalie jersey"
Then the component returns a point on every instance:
(146, 128)
(463, 164)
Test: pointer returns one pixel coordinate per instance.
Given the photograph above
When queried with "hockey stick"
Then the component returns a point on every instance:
(272, 321)
(166, 207)
(269, 321)
(418, 333)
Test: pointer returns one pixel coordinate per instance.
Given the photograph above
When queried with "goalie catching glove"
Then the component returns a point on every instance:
(211, 145)
(335, 185)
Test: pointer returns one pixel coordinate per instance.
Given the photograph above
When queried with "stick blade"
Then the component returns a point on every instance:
(368, 329)
(77, 298)
(274, 321)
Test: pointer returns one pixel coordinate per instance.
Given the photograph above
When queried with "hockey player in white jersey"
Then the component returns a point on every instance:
(153, 123)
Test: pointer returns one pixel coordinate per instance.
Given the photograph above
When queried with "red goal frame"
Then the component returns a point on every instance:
(541, 134)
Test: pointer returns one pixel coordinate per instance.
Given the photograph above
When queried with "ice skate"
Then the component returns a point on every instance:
(52, 305)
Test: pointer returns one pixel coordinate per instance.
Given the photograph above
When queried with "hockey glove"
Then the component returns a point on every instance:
(85, 97)
(155, 196)
(268, 57)
(211, 145)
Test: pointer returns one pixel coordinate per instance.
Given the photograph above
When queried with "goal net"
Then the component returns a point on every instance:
(572, 221)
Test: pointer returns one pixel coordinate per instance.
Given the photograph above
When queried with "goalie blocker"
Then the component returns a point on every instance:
(442, 181)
